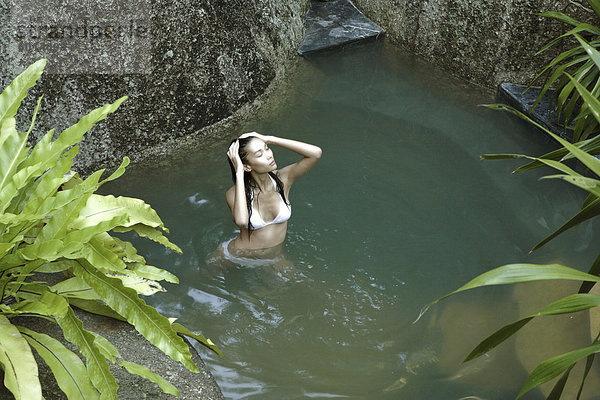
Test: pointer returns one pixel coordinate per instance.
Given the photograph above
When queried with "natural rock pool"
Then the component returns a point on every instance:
(399, 211)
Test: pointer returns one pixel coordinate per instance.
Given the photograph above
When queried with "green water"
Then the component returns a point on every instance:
(399, 211)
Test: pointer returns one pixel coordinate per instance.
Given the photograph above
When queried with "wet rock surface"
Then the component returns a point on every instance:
(184, 65)
(486, 42)
(335, 23)
(544, 113)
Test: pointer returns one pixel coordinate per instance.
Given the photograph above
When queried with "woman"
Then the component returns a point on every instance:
(259, 197)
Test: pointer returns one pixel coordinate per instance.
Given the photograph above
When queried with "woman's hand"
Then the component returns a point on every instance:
(257, 135)
(234, 156)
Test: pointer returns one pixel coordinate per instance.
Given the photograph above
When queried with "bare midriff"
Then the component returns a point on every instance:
(264, 242)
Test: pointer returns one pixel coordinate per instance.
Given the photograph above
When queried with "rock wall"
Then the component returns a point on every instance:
(184, 64)
(188, 64)
(486, 42)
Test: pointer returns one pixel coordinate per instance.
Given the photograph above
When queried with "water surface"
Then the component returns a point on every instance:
(399, 211)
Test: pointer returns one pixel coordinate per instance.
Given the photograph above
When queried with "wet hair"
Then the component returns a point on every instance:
(249, 182)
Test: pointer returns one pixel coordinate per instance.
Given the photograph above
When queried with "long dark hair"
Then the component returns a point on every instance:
(249, 182)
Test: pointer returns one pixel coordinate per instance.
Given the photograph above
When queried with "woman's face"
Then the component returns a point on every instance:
(259, 157)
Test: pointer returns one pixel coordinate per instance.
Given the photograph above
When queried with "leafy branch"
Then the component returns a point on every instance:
(52, 221)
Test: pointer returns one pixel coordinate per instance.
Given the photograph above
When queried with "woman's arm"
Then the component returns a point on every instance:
(293, 172)
(236, 196)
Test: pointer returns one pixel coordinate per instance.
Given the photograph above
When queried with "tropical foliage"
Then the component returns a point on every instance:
(51, 221)
(561, 365)
(579, 62)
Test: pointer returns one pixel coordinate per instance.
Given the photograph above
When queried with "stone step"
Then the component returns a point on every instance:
(335, 23)
(544, 113)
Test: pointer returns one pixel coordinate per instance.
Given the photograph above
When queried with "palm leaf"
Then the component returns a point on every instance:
(594, 270)
(102, 208)
(518, 273)
(22, 177)
(595, 4)
(152, 234)
(150, 272)
(589, 184)
(582, 27)
(75, 287)
(556, 61)
(587, 159)
(591, 146)
(569, 304)
(556, 74)
(74, 332)
(553, 367)
(20, 368)
(110, 352)
(95, 307)
(560, 17)
(11, 97)
(581, 75)
(47, 152)
(589, 211)
(203, 341)
(69, 204)
(592, 108)
(145, 373)
(101, 257)
(84, 235)
(127, 251)
(588, 200)
(504, 156)
(106, 348)
(146, 320)
(586, 75)
(588, 367)
(55, 266)
(559, 166)
(13, 147)
(67, 368)
(557, 71)
(143, 286)
(559, 387)
(50, 182)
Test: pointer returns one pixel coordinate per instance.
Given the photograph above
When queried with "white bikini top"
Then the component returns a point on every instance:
(285, 211)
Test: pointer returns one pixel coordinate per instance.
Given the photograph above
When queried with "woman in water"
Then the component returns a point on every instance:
(259, 198)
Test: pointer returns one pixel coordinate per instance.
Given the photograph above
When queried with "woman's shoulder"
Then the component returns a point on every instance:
(230, 191)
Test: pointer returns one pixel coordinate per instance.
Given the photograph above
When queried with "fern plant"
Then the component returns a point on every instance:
(51, 221)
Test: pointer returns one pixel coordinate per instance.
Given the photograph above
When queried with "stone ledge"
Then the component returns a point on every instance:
(544, 113)
(335, 23)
